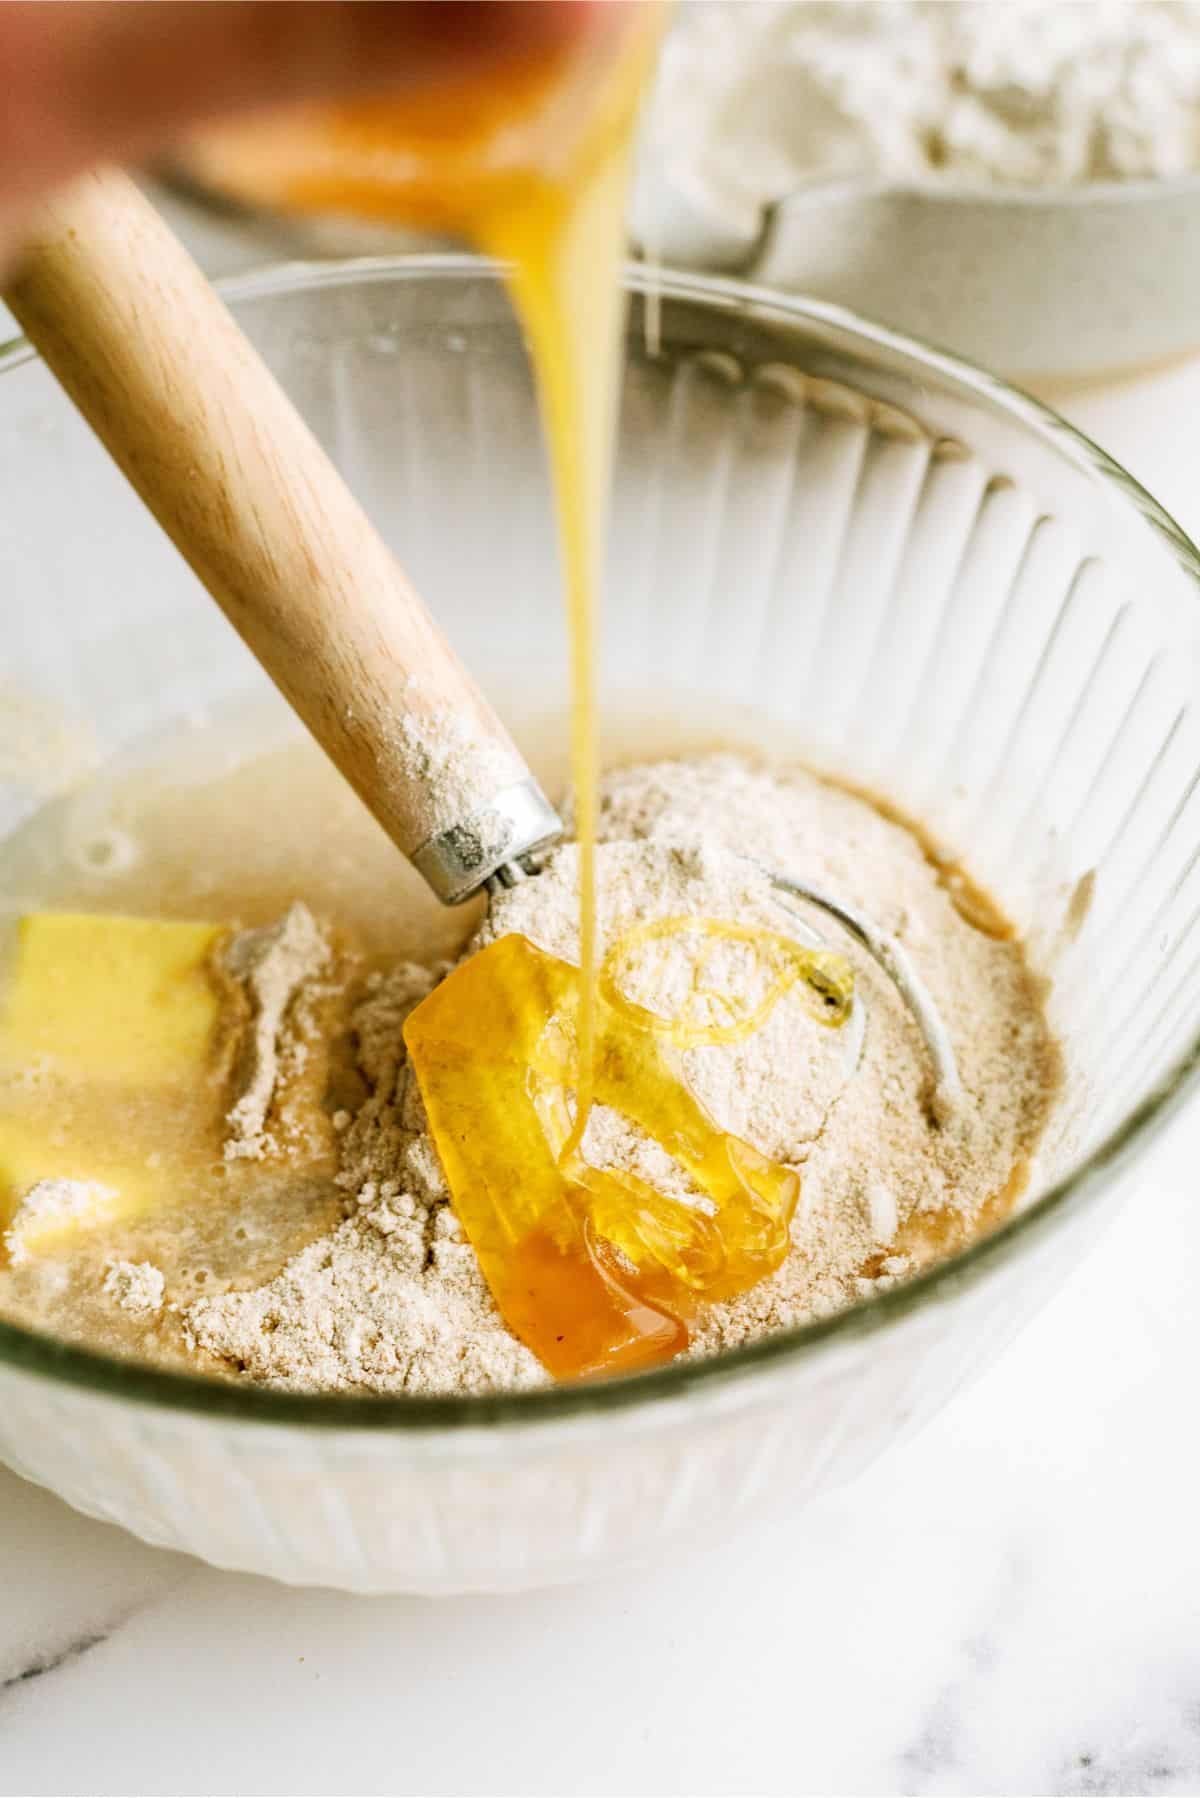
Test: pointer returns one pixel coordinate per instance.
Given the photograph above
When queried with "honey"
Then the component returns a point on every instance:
(710, 1014)
(594, 1269)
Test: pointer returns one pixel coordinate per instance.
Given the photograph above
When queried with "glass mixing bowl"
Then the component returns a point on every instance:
(825, 540)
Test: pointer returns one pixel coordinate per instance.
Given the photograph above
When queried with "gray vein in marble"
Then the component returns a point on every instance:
(1145, 1767)
(939, 1748)
(74, 1651)
(53, 1659)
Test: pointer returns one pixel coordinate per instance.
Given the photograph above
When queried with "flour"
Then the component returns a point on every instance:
(276, 988)
(135, 1286)
(450, 760)
(393, 1299)
(51, 1206)
(753, 100)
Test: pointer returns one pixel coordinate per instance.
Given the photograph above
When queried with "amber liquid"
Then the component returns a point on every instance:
(597, 1271)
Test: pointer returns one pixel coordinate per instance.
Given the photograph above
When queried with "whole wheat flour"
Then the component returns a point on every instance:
(52, 1204)
(135, 1286)
(274, 983)
(393, 1300)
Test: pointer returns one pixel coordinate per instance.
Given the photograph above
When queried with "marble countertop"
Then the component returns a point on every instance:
(1009, 1604)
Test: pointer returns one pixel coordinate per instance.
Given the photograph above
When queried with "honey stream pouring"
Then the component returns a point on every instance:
(595, 1271)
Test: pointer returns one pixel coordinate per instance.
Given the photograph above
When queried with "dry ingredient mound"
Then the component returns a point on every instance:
(135, 1286)
(754, 98)
(56, 1203)
(392, 1300)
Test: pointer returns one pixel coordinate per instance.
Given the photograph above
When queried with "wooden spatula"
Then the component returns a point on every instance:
(203, 431)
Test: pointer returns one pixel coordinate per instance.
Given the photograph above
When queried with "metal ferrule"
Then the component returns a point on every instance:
(489, 844)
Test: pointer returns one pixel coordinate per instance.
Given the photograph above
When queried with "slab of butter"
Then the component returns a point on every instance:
(109, 1004)
(110, 998)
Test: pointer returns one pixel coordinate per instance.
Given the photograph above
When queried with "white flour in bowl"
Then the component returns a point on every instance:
(757, 97)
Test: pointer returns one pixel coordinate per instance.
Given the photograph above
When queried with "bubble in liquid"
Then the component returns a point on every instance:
(107, 853)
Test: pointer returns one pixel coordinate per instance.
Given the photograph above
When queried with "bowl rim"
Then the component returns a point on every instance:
(995, 196)
(34, 1352)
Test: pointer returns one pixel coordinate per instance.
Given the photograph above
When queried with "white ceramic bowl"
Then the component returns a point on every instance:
(824, 538)
(1047, 285)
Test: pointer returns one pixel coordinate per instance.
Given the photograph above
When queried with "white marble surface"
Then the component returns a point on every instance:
(1011, 1604)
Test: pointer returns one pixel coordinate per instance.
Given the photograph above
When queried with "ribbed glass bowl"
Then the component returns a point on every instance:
(825, 539)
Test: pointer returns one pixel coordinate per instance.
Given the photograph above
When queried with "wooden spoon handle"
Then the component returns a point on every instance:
(150, 356)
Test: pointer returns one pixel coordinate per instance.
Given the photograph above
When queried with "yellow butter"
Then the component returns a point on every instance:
(109, 1013)
(31, 1154)
(110, 999)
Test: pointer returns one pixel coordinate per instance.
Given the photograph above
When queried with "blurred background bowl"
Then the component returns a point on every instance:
(1051, 285)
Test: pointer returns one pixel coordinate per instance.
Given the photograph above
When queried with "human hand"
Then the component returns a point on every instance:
(86, 81)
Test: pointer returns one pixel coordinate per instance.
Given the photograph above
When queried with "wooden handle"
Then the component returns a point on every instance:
(200, 427)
